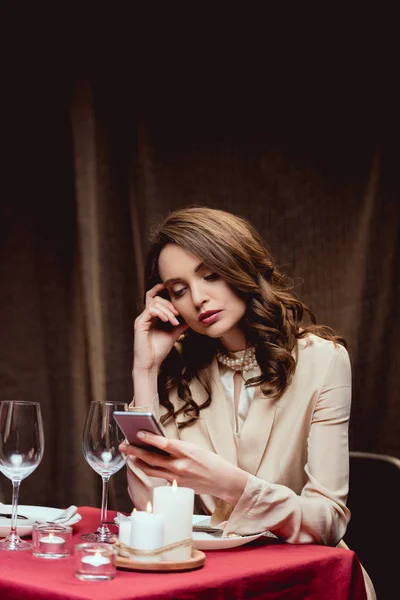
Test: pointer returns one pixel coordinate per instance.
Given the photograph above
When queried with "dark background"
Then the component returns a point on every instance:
(112, 117)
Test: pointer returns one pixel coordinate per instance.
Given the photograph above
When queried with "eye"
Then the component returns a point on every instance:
(211, 277)
(178, 293)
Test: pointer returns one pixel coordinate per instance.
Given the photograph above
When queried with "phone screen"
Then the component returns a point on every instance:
(131, 422)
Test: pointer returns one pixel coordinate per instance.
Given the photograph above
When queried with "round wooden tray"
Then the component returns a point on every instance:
(196, 561)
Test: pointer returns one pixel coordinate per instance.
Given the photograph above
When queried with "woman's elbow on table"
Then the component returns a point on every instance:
(319, 523)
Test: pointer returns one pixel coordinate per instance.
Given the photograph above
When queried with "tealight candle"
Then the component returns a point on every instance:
(147, 533)
(51, 541)
(95, 561)
(176, 505)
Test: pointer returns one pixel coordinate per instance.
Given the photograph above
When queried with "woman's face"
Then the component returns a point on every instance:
(205, 301)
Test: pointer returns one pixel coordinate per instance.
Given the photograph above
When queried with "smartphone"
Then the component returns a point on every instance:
(130, 422)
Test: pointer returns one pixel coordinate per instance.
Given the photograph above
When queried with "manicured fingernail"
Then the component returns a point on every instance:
(123, 447)
(141, 434)
(176, 322)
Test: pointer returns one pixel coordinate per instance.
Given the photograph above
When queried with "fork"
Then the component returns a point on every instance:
(206, 529)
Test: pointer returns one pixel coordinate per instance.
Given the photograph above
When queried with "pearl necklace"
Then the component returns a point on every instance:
(248, 361)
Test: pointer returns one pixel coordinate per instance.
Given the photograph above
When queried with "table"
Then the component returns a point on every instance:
(263, 569)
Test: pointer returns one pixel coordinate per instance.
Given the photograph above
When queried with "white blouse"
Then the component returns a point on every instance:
(246, 393)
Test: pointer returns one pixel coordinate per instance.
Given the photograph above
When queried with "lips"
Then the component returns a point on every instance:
(209, 316)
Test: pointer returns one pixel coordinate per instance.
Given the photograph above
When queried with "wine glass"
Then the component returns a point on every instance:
(21, 450)
(101, 438)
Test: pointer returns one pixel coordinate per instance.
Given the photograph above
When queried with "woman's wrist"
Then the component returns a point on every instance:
(144, 385)
(144, 372)
(235, 485)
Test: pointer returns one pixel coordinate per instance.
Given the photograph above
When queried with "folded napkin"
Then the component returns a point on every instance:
(63, 517)
(36, 515)
(120, 517)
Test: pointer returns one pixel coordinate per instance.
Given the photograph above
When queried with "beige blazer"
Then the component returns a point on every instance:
(295, 450)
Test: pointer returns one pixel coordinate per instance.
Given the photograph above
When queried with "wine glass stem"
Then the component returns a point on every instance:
(14, 510)
(104, 499)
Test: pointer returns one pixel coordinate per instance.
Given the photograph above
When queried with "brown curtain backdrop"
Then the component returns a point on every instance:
(107, 128)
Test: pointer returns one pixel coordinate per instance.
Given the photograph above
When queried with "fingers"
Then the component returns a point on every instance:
(152, 463)
(174, 448)
(147, 456)
(154, 291)
(160, 307)
(153, 471)
(154, 294)
(163, 311)
(161, 442)
(158, 465)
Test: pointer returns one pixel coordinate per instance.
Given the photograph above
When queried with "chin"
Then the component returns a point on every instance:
(216, 331)
(208, 333)
(214, 335)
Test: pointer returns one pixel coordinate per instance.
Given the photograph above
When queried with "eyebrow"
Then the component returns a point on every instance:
(175, 279)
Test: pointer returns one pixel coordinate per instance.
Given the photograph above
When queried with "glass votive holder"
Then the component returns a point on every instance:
(95, 561)
(51, 540)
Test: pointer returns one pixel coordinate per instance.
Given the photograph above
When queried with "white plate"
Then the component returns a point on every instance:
(24, 527)
(207, 541)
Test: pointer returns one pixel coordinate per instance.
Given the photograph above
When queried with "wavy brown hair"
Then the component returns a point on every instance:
(231, 247)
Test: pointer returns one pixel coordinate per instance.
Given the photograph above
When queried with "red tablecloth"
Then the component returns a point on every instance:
(262, 569)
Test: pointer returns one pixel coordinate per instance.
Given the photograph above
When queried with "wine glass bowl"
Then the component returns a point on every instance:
(100, 445)
(106, 462)
(21, 451)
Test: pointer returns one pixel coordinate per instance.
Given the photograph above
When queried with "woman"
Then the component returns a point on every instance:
(255, 401)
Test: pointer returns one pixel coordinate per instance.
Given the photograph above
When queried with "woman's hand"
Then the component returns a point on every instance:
(152, 345)
(191, 466)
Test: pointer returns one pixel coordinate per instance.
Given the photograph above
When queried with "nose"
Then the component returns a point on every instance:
(199, 295)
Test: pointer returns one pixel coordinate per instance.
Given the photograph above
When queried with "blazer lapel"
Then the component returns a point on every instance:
(218, 416)
(256, 431)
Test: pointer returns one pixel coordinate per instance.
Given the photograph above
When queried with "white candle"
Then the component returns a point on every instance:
(176, 505)
(124, 532)
(147, 533)
(51, 543)
(96, 560)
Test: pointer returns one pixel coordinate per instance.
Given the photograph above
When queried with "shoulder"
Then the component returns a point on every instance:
(322, 359)
(318, 347)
